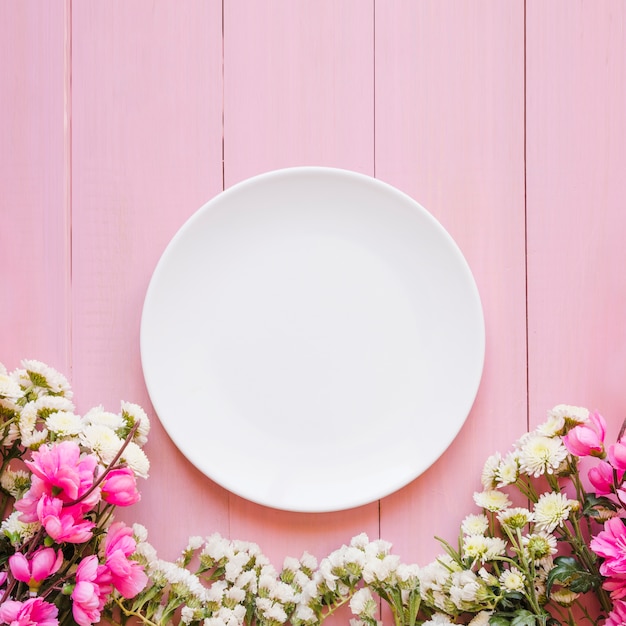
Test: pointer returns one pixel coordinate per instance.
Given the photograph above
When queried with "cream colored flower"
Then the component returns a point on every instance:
(508, 470)
(552, 509)
(516, 517)
(46, 377)
(563, 596)
(9, 388)
(475, 524)
(64, 424)
(136, 459)
(539, 545)
(133, 413)
(102, 441)
(492, 500)
(512, 579)
(97, 416)
(489, 475)
(571, 415)
(539, 455)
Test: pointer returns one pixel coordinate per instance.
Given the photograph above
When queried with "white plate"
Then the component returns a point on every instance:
(312, 339)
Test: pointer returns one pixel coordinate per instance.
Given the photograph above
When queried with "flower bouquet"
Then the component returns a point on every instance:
(62, 555)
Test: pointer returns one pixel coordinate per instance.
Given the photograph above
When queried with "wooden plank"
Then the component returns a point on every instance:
(146, 154)
(34, 203)
(576, 134)
(450, 133)
(298, 90)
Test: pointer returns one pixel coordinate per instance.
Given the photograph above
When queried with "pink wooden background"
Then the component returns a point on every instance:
(506, 120)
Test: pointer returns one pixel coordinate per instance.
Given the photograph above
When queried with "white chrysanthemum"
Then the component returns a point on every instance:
(28, 419)
(439, 619)
(539, 545)
(134, 413)
(483, 548)
(571, 414)
(9, 388)
(508, 471)
(481, 619)
(15, 482)
(102, 441)
(136, 459)
(489, 474)
(512, 579)
(564, 597)
(35, 439)
(553, 425)
(475, 524)
(363, 604)
(435, 575)
(552, 509)
(516, 517)
(42, 375)
(99, 417)
(64, 424)
(492, 500)
(541, 455)
(16, 531)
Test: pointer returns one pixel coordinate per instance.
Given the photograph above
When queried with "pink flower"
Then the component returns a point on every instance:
(127, 576)
(120, 487)
(32, 612)
(587, 439)
(63, 524)
(601, 477)
(617, 617)
(93, 585)
(43, 563)
(617, 455)
(610, 544)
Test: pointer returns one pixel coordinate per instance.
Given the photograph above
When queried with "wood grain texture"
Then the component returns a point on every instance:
(146, 154)
(298, 90)
(34, 197)
(450, 132)
(576, 135)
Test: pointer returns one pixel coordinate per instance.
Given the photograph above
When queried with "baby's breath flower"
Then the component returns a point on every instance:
(552, 509)
(512, 579)
(475, 524)
(539, 455)
(492, 500)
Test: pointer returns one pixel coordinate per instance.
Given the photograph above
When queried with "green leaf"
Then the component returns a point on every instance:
(568, 572)
(524, 618)
(499, 620)
(591, 503)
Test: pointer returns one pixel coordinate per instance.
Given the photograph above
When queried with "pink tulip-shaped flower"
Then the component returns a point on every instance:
(32, 612)
(127, 576)
(610, 544)
(93, 585)
(42, 564)
(601, 477)
(120, 487)
(63, 524)
(617, 455)
(587, 439)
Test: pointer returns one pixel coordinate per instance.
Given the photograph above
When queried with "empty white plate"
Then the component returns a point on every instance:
(312, 339)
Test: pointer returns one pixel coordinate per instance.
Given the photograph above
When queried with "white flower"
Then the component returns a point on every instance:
(492, 500)
(475, 524)
(360, 541)
(16, 531)
(102, 441)
(134, 413)
(541, 455)
(136, 459)
(308, 562)
(362, 603)
(563, 596)
(9, 388)
(15, 482)
(572, 414)
(539, 545)
(186, 615)
(508, 471)
(489, 474)
(439, 619)
(98, 416)
(481, 619)
(516, 517)
(64, 424)
(552, 509)
(42, 375)
(464, 588)
(380, 569)
(483, 548)
(140, 532)
(217, 548)
(512, 579)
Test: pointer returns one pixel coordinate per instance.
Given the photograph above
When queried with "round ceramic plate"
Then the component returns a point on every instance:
(312, 339)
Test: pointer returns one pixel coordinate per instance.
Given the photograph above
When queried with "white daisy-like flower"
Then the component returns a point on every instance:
(539, 545)
(492, 500)
(512, 579)
(481, 619)
(15, 482)
(516, 517)
(97, 416)
(102, 441)
(481, 548)
(552, 509)
(570, 414)
(362, 603)
(489, 474)
(554, 425)
(508, 471)
(136, 459)
(475, 524)
(9, 388)
(64, 424)
(564, 597)
(16, 531)
(34, 439)
(42, 375)
(539, 455)
(133, 413)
